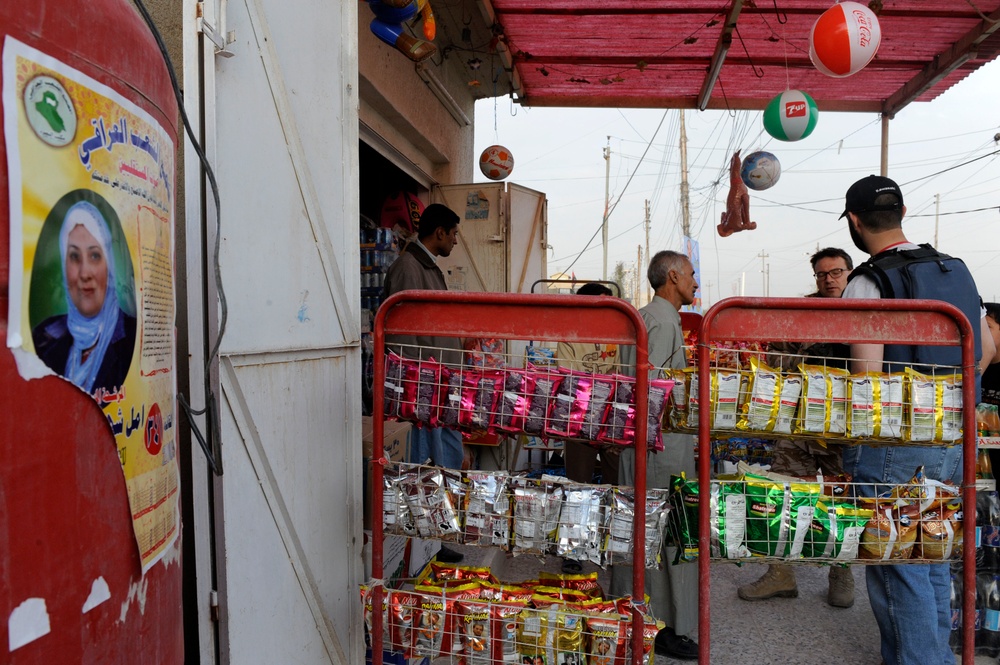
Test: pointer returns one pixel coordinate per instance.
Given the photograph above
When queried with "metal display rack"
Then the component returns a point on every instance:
(508, 316)
(815, 320)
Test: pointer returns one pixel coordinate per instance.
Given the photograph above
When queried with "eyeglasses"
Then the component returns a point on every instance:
(835, 273)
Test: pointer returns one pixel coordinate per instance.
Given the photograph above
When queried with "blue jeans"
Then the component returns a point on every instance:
(911, 602)
(440, 445)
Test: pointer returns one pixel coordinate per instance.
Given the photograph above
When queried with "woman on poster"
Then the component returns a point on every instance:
(91, 345)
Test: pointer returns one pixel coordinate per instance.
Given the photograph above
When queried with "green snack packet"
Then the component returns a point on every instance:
(779, 515)
(729, 518)
(835, 531)
(685, 496)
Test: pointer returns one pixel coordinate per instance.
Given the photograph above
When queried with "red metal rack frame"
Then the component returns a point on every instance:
(910, 322)
(509, 316)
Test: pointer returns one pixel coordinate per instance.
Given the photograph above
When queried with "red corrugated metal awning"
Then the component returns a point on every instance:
(732, 54)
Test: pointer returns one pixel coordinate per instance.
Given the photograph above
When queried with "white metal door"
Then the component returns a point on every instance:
(282, 130)
(479, 260)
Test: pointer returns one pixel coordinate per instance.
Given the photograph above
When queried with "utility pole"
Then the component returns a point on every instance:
(638, 269)
(763, 270)
(937, 211)
(685, 194)
(649, 296)
(607, 202)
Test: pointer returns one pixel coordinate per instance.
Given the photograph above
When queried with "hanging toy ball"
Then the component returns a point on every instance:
(791, 116)
(844, 39)
(760, 170)
(496, 162)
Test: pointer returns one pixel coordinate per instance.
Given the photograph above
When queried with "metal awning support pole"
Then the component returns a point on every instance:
(884, 162)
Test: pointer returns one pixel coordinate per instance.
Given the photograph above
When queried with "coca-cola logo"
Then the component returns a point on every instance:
(795, 109)
(864, 27)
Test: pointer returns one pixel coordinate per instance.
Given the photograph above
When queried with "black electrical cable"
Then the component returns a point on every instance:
(214, 457)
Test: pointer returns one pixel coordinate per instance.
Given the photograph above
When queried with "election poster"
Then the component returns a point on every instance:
(92, 266)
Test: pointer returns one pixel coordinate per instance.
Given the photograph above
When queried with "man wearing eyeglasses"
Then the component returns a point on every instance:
(831, 268)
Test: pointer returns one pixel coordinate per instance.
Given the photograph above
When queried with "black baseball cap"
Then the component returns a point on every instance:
(862, 194)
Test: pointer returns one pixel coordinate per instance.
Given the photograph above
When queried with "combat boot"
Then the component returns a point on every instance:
(779, 580)
(841, 591)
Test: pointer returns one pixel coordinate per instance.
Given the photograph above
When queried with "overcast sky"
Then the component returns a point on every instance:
(560, 152)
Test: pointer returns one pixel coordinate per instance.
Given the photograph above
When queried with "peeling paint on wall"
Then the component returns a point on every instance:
(99, 593)
(135, 591)
(28, 622)
(30, 366)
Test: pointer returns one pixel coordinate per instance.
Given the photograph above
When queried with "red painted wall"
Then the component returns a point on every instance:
(64, 515)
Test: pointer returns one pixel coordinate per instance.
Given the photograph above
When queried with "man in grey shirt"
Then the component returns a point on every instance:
(673, 591)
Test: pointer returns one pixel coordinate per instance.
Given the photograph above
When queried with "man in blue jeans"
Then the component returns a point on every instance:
(911, 603)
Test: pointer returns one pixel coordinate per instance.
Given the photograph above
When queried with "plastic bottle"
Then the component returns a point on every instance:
(984, 469)
(989, 645)
(981, 510)
(955, 639)
(982, 581)
(988, 532)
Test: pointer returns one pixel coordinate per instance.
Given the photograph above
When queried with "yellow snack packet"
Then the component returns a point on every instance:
(890, 422)
(814, 409)
(864, 405)
(788, 403)
(761, 410)
(923, 406)
(951, 408)
(837, 422)
(678, 404)
(693, 400)
(725, 398)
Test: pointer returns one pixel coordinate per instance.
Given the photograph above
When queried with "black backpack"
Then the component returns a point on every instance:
(925, 274)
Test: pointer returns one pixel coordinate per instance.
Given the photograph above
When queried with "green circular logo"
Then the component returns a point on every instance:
(50, 111)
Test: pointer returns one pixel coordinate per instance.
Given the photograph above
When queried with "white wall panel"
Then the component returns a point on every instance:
(285, 509)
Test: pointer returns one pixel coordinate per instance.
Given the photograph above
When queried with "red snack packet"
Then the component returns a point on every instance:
(602, 392)
(512, 403)
(421, 391)
(395, 373)
(542, 385)
(586, 582)
(569, 404)
(450, 399)
(619, 420)
(504, 630)
(606, 640)
(366, 600)
(403, 608)
(474, 634)
(480, 390)
(649, 630)
(659, 393)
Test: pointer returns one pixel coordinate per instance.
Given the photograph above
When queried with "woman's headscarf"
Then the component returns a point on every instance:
(98, 330)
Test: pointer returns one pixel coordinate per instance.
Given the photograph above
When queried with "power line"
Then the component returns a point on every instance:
(611, 208)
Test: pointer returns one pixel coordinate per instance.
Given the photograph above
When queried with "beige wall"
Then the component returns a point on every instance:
(398, 105)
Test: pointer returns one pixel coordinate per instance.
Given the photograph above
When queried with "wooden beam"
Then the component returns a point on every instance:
(943, 64)
(719, 57)
(555, 99)
(503, 50)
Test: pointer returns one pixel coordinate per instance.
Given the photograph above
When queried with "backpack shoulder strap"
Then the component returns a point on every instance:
(874, 271)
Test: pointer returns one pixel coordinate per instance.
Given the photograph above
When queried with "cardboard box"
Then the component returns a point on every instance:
(395, 439)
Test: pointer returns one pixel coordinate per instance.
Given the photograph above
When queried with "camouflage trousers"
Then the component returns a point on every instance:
(802, 457)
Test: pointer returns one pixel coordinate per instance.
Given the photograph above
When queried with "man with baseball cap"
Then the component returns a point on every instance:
(910, 602)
